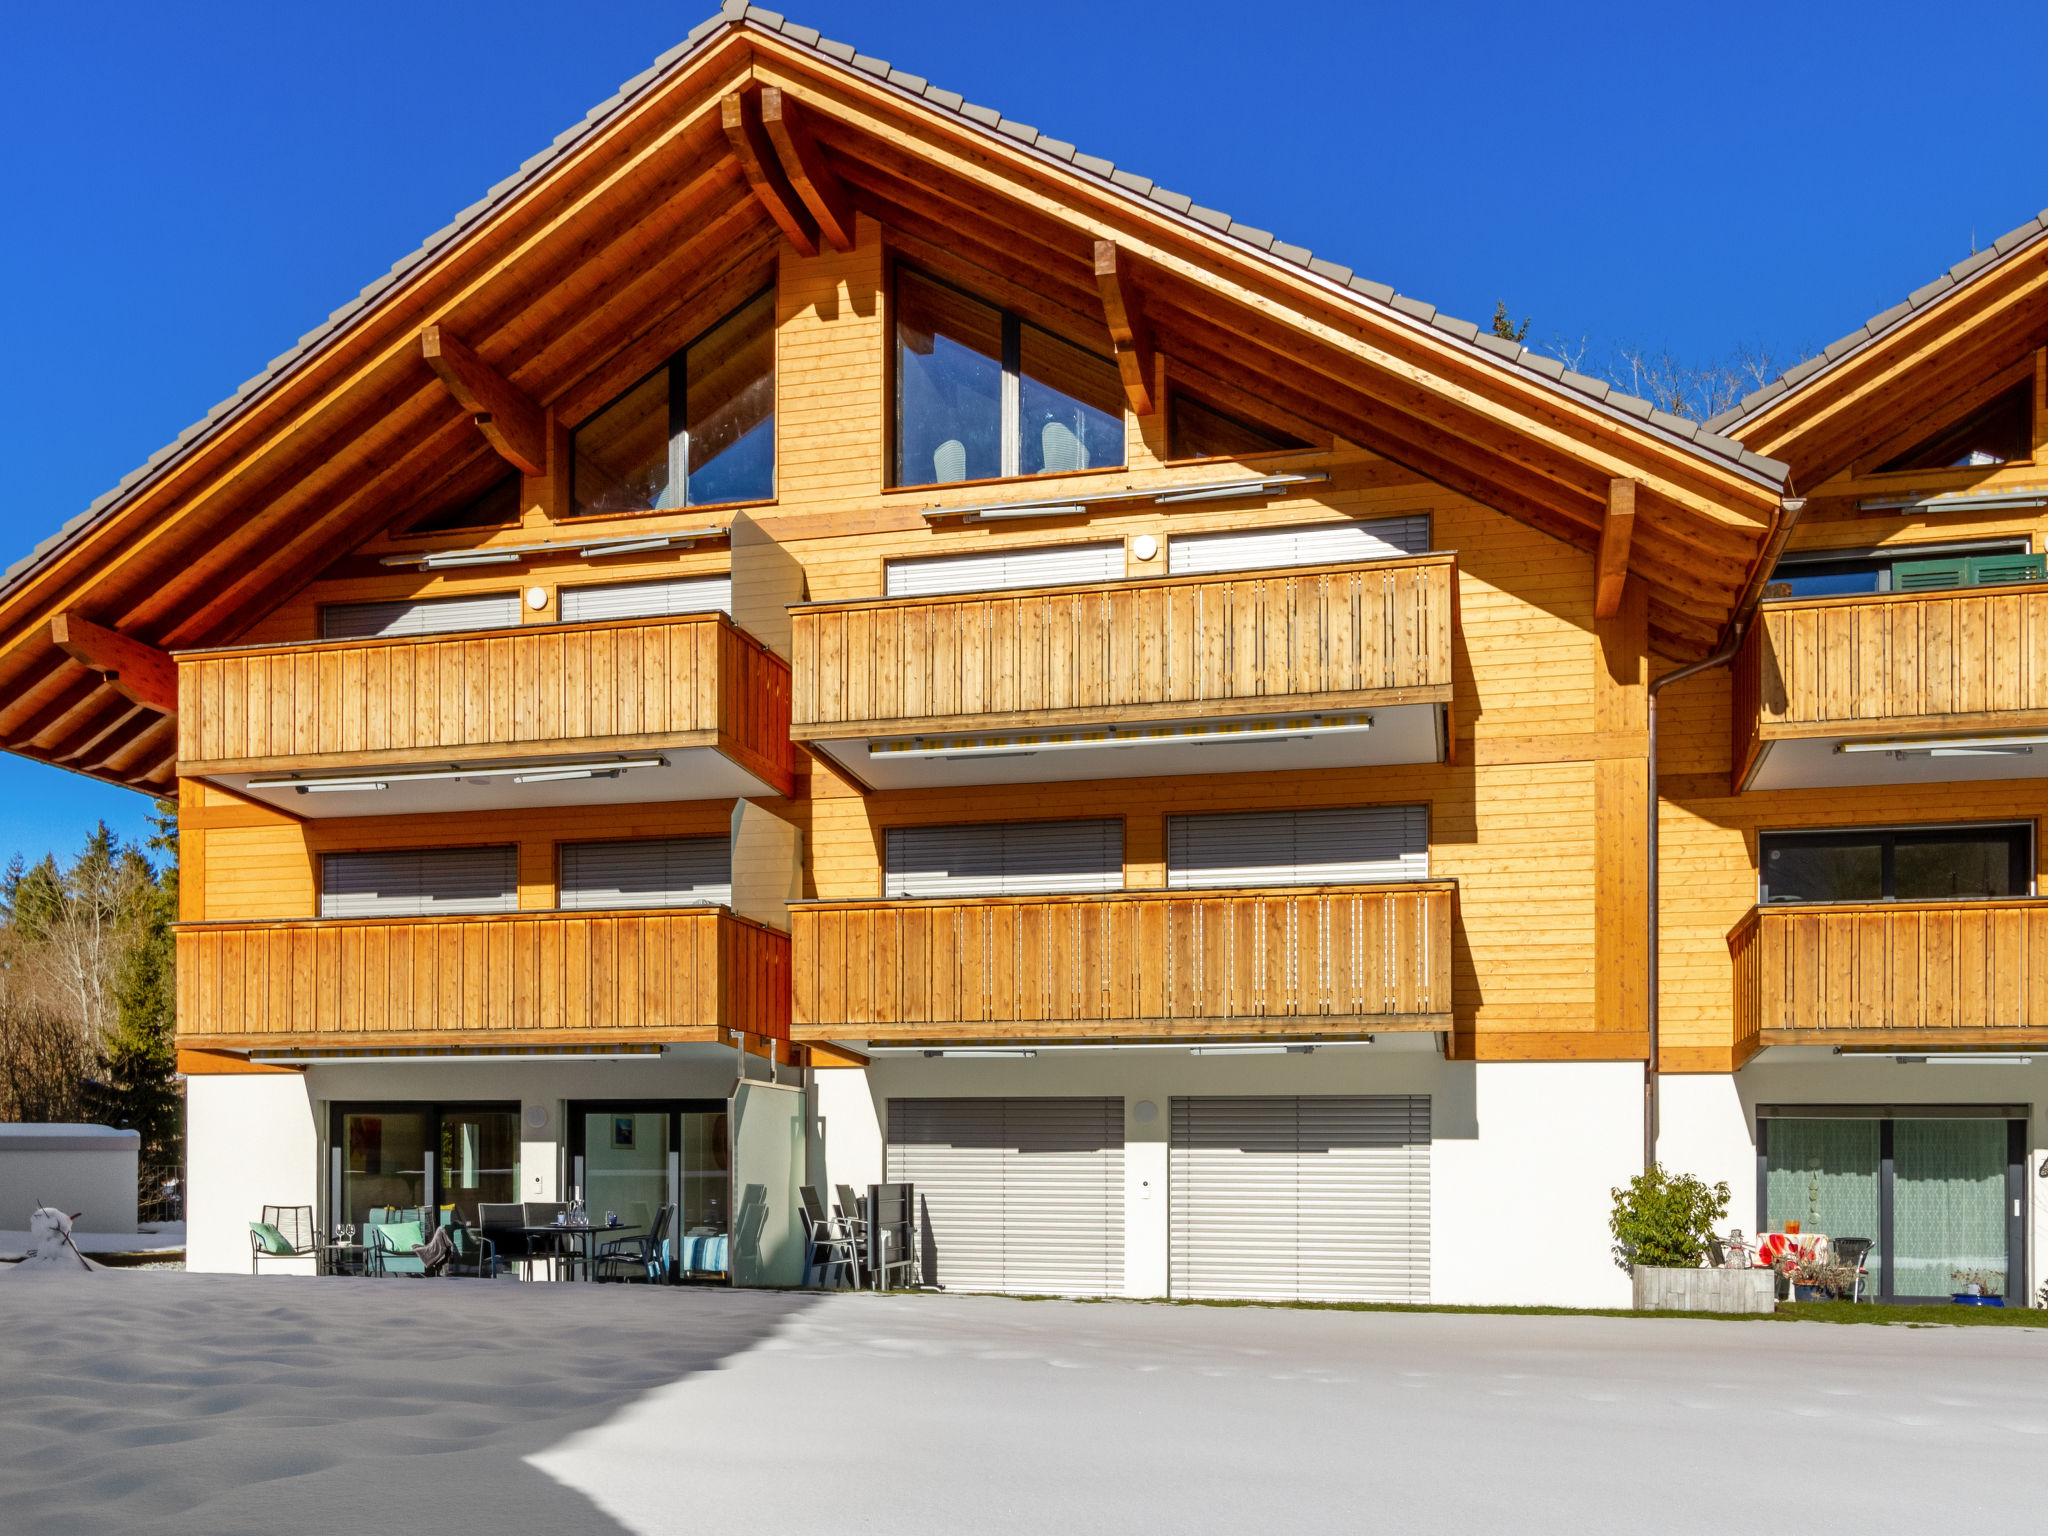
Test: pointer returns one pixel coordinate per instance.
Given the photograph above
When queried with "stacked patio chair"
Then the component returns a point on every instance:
(285, 1232)
(829, 1246)
(853, 1222)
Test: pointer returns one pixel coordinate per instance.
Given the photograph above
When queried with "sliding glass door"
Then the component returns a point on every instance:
(1938, 1193)
(407, 1156)
(633, 1159)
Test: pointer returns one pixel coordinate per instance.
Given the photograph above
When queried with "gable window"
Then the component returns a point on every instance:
(497, 506)
(1198, 431)
(1905, 568)
(982, 395)
(697, 431)
(1973, 862)
(1997, 433)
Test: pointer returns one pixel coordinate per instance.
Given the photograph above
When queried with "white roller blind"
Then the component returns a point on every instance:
(648, 872)
(1311, 1198)
(1194, 554)
(1321, 847)
(1006, 858)
(987, 572)
(419, 882)
(430, 616)
(644, 599)
(1023, 1194)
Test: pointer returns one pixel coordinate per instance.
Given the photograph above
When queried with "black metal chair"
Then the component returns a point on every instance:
(546, 1248)
(475, 1254)
(503, 1226)
(1854, 1253)
(852, 1212)
(642, 1256)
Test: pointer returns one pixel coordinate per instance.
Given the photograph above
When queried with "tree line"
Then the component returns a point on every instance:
(88, 988)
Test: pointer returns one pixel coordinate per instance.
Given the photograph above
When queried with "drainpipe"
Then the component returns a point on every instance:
(1738, 626)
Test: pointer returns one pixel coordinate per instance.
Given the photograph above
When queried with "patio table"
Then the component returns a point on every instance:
(589, 1234)
(1770, 1246)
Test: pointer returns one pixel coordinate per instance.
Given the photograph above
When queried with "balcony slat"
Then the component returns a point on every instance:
(1892, 973)
(1131, 962)
(1246, 640)
(542, 976)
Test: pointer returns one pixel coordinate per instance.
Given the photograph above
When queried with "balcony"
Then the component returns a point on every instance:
(1331, 666)
(1825, 686)
(531, 978)
(627, 711)
(1892, 973)
(1296, 963)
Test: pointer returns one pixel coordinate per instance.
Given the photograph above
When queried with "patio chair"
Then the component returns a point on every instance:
(285, 1232)
(853, 1222)
(503, 1227)
(828, 1245)
(391, 1246)
(475, 1254)
(642, 1256)
(1717, 1256)
(1854, 1253)
(544, 1247)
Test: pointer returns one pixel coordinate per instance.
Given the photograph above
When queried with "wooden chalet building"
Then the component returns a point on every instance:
(818, 633)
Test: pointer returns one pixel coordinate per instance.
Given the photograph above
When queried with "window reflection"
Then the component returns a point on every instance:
(1972, 863)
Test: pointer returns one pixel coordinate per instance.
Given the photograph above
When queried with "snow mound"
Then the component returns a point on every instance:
(50, 1251)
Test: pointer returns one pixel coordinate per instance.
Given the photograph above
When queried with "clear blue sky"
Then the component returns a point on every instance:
(189, 188)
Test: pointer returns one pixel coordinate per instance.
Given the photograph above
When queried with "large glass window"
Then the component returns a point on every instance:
(1198, 431)
(405, 1157)
(981, 395)
(697, 431)
(1823, 1174)
(633, 1159)
(1997, 433)
(1967, 863)
(497, 506)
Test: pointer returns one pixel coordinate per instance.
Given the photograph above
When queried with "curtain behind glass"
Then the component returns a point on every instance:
(1948, 1204)
(1823, 1175)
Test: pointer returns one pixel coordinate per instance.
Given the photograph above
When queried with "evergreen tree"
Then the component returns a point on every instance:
(139, 1056)
(1505, 328)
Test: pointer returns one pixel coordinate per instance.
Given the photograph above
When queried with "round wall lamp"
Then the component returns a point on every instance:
(536, 598)
(1144, 547)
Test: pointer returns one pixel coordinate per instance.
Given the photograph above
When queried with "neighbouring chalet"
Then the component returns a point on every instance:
(818, 634)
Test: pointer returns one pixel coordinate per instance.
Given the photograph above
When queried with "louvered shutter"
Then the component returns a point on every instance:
(646, 599)
(1340, 846)
(1251, 549)
(1313, 1198)
(419, 882)
(991, 571)
(1021, 1194)
(647, 872)
(431, 616)
(1006, 858)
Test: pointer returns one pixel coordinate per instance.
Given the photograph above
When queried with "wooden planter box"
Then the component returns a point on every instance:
(1705, 1290)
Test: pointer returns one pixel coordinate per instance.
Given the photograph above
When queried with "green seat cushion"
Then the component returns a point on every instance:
(273, 1241)
(403, 1235)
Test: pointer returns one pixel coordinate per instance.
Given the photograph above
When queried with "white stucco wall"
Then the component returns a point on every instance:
(249, 1142)
(1703, 1129)
(84, 1170)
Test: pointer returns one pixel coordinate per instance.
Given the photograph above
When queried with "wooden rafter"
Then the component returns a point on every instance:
(136, 669)
(511, 422)
(1128, 332)
(1616, 534)
(740, 114)
(823, 193)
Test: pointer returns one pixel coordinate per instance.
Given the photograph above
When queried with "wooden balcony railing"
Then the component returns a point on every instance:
(548, 978)
(621, 685)
(1133, 964)
(1891, 973)
(1892, 664)
(1330, 637)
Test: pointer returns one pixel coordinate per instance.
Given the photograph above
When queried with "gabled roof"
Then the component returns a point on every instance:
(1482, 415)
(2015, 246)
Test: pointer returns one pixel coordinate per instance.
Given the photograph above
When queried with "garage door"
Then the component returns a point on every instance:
(1017, 1194)
(1300, 1199)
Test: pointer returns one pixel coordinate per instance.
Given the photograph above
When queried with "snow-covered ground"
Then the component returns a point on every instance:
(222, 1404)
(164, 1237)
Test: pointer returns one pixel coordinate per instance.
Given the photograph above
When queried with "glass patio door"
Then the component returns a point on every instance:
(479, 1162)
(1825, 1175)
(631, 1158)
(1949, 1206)
(383, 1158)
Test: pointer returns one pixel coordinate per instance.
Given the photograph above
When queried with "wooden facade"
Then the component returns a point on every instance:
(1137, 965)
(544, 978)
(1341, 637)
(618, 686)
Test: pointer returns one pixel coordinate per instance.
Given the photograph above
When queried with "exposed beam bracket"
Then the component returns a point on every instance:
(741, 115)
(136, 669)
(1617, 531)
(1127, 329)
(508, 418)
(823, 193)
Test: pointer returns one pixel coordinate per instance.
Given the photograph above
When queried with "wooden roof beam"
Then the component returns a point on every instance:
(510, 421)
(763, 170)
(136, 669)
(823, 193)
(1616, 534)
(1128, 332)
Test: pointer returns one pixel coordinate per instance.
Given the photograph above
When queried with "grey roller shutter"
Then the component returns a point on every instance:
(1251, 549)
(645, 599)
(419, 882)
(1006, 858)
(430, 616)
(1062, 565)
(647, 872)
(1023, 1194)
(1339, 846)
(1316, 1198)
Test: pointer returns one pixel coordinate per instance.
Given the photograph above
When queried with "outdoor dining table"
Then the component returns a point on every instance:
(589, 1233)
(1771, 1246)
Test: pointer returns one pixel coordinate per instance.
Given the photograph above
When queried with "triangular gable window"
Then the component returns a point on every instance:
(1198, 431)
(1997, 433)
(495, 507)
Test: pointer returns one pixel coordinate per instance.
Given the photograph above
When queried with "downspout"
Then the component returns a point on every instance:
(1789, 509)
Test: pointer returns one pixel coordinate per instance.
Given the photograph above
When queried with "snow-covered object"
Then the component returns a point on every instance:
(50, 1250)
